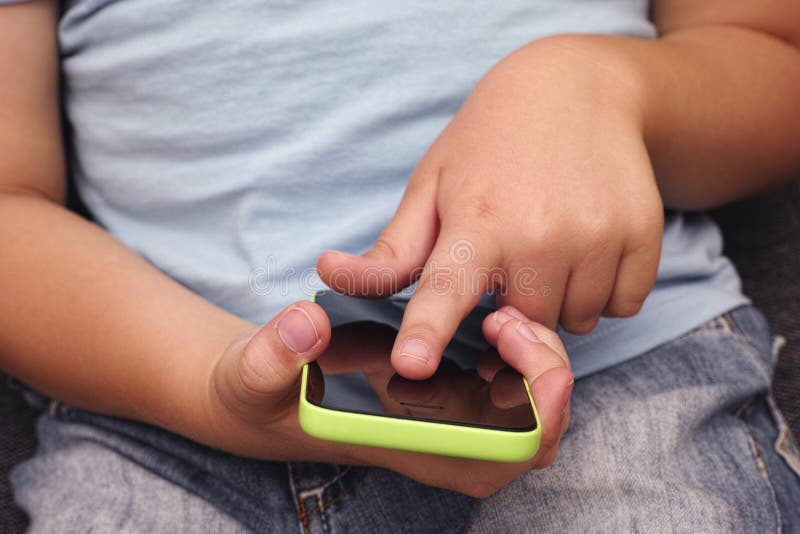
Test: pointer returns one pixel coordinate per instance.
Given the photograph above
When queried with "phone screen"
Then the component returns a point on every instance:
(355, 375)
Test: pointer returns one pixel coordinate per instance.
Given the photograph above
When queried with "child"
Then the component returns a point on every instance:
(224, 148)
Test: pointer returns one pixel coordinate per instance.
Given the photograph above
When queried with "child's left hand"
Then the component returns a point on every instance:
(540, 188)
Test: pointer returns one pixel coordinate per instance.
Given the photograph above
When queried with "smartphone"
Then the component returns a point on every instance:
(351, 394)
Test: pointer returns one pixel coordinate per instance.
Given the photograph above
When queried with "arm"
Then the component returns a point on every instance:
(560, 162)
(84, 319)
(719, 94)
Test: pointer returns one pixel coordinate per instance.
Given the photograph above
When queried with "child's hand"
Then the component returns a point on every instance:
(540, 188)
(251, 408)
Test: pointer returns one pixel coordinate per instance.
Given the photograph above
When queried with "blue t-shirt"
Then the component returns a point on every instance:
(230, 143)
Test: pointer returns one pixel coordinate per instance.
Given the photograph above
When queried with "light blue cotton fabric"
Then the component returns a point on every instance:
(230, 143)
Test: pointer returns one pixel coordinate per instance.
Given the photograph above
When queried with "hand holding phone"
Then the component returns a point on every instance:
(251, 408)
(356, 398)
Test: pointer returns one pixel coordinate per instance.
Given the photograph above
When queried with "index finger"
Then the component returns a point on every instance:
(457, 273)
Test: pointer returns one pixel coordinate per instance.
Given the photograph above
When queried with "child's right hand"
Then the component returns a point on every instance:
(251, 402)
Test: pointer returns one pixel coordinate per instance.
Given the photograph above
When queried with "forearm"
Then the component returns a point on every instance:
(89, 322)
(720, 107)
(722, 114)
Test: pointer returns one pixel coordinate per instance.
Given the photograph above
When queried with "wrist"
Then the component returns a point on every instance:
(591, 76)
(179, 399)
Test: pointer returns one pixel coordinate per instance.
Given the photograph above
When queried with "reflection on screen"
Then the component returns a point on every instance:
(357, 378)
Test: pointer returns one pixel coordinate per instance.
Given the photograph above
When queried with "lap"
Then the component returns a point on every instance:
(671, 441)
(679, 439)
(77, 483)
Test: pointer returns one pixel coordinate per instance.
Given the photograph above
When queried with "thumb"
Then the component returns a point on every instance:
(397, 257)
(537, 353)
(258, 375)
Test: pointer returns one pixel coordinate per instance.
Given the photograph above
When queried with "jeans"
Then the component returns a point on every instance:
(684, 438)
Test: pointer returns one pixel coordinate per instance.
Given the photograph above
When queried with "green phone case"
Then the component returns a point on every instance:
(421, 436)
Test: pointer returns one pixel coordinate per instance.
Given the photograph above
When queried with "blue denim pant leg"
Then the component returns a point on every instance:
(682, 439)
(85, 479)
(93, 473)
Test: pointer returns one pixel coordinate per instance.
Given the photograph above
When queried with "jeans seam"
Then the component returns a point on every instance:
(324, 505)
(53, 407)
(302, 514)
(733, 328)
(784, 433)
(326, 485)
(318, 493)
(304, 511)
(784, 443)
(758, 459)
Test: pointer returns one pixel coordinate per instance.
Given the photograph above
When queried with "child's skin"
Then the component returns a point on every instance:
(549, 164)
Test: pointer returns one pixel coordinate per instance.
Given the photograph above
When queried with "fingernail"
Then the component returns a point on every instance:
(567, 394)
(416, 348)
(297, 330)
(513, 312)
(502, 317)
(526, 332)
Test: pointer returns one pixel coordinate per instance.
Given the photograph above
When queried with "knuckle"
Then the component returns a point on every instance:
(508, 330)
(580, 325)
(259, 368)
(523, 282)
(341, 279)
(549, 337)
(646, 225)
(581, 316)
(624, 307)
(642, 241)
(538, 237)
(594, 228)
(483, 209)
(439, 279)
(423, 331)
(552, 340)
(382, 280)
(652, 215)
(386, 246)
(253, 369)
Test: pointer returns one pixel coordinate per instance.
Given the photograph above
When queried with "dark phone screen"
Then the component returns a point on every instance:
(355, 375)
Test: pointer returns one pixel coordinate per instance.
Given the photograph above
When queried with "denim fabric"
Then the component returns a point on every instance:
(681, 439)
